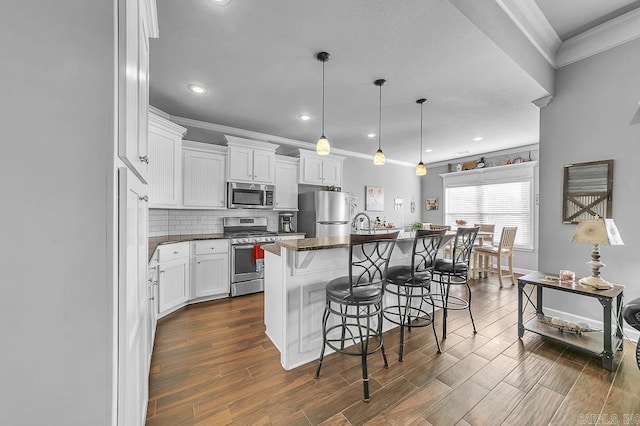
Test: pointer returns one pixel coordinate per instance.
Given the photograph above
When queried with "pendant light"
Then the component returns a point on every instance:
(378, 158)
(421, 169)
(322, 146)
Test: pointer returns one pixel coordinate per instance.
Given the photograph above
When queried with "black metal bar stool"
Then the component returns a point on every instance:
(631, 315)
(410, 286)
(455, 271)
(354, 302)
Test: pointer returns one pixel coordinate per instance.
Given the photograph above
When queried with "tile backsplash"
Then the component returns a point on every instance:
(184, 222)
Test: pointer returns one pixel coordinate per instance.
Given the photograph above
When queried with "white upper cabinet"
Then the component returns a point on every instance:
(286, 194)
(204, 175)
(323, 170)
(165, 162)
(137, 23)
(250, 161)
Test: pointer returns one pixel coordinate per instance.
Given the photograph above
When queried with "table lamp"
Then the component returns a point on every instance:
(597, 231)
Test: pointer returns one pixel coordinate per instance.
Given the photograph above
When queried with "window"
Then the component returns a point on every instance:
(498, 196)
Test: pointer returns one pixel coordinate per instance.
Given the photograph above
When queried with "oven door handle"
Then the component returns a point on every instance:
(243, 246)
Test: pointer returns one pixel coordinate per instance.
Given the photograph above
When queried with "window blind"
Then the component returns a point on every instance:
(503, 204)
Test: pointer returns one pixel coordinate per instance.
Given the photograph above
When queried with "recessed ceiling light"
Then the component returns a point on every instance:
(371, 135)
(477, 139)
(428, 150)
(220, 2)
(196, 88)
(304, 117)
(460, 152)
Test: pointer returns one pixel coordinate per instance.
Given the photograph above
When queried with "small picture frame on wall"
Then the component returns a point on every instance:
(374, 198)
(431, 203)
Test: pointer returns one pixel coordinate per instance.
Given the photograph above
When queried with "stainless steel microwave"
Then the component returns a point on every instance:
(249, 196)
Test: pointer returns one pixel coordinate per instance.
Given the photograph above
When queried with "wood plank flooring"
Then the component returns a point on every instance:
(213, 365)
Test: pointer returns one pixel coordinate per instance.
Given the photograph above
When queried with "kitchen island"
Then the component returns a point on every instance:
(296, 273)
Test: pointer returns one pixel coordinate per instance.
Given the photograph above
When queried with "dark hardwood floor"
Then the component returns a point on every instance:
(213, 365)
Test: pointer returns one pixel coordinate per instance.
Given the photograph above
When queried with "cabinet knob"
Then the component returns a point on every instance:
(144, 198)
(144, 159)
(152, 298)
(162, 272)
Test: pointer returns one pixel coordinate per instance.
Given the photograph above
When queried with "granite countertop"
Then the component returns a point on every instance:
(306, 244)
(154, 242)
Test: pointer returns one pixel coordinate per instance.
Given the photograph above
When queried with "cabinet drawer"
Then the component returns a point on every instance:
(172, 251)
(211, 246)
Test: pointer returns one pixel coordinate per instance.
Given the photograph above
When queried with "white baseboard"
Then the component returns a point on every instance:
(629, 333)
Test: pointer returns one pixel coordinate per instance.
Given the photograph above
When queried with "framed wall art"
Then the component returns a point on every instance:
(374, 198)
(431, 203)
(587, 190)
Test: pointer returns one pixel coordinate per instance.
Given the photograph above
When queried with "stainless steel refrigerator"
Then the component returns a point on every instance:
(323, 214)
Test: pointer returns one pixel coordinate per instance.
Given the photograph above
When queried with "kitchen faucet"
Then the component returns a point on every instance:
(354, 222)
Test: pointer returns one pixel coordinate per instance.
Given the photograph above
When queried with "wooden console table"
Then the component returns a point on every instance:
(602, 344)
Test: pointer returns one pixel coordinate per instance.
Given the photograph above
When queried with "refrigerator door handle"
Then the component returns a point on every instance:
(340, 222)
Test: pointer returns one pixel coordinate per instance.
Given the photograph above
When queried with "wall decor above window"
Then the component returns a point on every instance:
(587, 190)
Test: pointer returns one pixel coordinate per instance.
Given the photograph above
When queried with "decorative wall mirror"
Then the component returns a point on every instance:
(587, 190)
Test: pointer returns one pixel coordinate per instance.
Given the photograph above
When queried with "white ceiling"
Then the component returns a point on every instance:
(257, 59)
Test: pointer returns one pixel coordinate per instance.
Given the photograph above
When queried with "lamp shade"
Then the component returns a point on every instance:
(322, 146)
(379, 158)
(421, 169)
(597, 231)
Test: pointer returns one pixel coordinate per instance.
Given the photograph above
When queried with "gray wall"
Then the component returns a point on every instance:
(523, 260)
(590, 119)
(57, 107)
(397, 181)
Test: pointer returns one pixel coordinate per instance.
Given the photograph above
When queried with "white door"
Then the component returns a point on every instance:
(165, 153)
(286, 197)
(240, 164)
(132, 299)
(212, 275)
(264, 166)
(311, 171)
(173, 285)
(332, 172)
(204, 179)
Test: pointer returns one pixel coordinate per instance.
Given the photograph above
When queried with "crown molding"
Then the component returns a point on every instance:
(149, 12)
(263, 137)
(609, 34)
(534, 25)
(543, 102)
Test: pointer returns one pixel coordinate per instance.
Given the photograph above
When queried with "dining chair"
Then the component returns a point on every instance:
(455, 272)
(408, 287)
(485, 234)
(354, 302)
(504, 250)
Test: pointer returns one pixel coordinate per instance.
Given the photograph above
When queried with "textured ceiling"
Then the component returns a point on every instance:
(257, 59)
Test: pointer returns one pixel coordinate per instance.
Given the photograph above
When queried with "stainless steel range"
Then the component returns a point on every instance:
(246, 235)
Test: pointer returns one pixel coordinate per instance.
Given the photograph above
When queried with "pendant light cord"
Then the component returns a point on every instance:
(380, 119)
(421, 104)
(323, 98)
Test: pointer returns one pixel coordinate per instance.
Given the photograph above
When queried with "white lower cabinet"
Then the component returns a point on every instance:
(211, 268)
(173, 277)
(185, 272)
